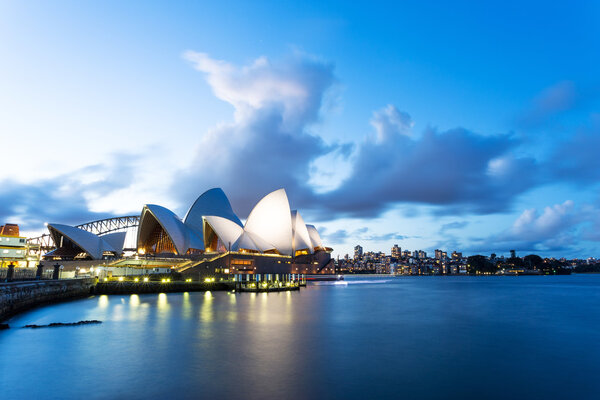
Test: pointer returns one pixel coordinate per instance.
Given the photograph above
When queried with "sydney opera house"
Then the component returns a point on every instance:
(210, 239)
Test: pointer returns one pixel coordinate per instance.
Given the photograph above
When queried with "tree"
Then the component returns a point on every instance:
(480, 264)
(533, 261)
(515, 262)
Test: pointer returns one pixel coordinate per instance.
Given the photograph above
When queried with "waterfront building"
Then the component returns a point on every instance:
(14, 248)
(396, 252)
(210, 239)
(358, 252)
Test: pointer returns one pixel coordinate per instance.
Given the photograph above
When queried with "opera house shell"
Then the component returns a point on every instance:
(210, 226)
(72, 242)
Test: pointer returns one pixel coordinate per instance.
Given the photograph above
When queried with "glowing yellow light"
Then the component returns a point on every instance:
(120, 279)
(146, 279)
(105, 279)
(188, 280)
(136, 279)
(207, 280)
(163, 280)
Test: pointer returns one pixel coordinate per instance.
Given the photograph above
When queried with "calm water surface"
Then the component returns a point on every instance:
(368, 338)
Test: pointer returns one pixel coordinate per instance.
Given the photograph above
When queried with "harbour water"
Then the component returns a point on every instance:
(527, 337)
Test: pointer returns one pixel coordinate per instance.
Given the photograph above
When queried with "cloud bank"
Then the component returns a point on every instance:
(273, 141)
(269, 144)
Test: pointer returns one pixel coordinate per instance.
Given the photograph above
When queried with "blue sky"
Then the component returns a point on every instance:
(457, 125)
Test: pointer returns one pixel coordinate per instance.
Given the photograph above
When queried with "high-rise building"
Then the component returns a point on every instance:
(358, 252)
(513, 254)
(456, 256)
(396, 251)
(438, 254)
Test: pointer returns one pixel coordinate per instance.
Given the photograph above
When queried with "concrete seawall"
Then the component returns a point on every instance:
(16, 297)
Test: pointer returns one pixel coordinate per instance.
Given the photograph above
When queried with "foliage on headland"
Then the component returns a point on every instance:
(479, 264)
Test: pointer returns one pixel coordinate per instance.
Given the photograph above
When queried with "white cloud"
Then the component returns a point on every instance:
(390, 122)
(294, 87)
(268, 144)
(534, 226)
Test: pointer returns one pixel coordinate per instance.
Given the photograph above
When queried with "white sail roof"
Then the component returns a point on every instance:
(87, 241)
(250, 241)
(116, 240)
(213, 202)
(171, 224)
(271, 221)
(227, 230)
(315, 238)
(194, 240)
(300, 236)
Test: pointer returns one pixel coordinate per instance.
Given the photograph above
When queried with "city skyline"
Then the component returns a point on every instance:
(386, 123)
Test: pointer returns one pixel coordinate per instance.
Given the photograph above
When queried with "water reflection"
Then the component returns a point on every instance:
(232, 311)
(162, 303)
(103, 301)
(186, 306)
(134, 300)
(206, 311)
(417, 338)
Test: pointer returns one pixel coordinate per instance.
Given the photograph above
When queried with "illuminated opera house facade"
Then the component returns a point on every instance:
(210, 239)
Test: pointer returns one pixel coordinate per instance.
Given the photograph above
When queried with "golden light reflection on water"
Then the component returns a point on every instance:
(268, 326)
(289, 314)
(232, 312)
(206, 311)
(138, 310)
(103, 301)
(162, 302)
(134, 300)
(263, 311)
(186, 306)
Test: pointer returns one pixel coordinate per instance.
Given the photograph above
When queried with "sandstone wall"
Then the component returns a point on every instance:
(19, 296)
